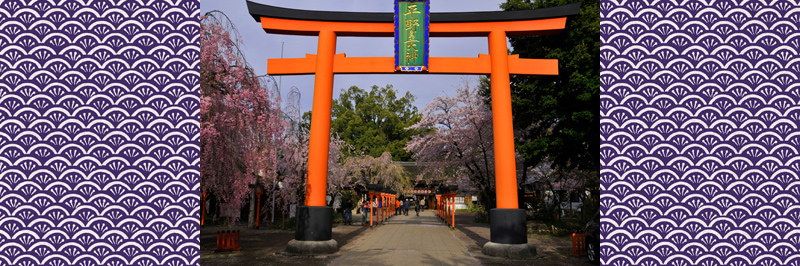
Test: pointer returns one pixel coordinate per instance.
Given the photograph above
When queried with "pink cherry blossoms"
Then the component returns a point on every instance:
(462, 143)
(241, 121)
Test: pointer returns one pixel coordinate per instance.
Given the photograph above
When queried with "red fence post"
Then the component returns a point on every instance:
(236, 243)
(226, 240)
(439, 205)
(385, 201)
(369, 208)
(203, 210)
(452, 208)
(383, 207)
(454, 211)
(578, 245)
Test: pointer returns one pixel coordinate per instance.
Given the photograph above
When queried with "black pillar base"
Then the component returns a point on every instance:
(314, 223)
(507, 226)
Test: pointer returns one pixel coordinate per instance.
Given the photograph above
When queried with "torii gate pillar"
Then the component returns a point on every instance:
(508, 230)
(506, 222)
(314, 220)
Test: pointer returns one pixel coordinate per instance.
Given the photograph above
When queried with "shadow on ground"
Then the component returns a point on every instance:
(264, 246)
(465, 225)
(551, 250)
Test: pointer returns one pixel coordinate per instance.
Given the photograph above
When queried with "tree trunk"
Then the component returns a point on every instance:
(272, 212)
(283, 221)
(521, 186)
(251, 219)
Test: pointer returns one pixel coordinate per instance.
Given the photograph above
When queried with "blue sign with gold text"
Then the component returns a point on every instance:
(411, 35)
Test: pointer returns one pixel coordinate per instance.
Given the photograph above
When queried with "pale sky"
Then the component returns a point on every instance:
(259, 46)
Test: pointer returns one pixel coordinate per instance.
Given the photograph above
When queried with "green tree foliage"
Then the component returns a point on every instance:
(374, 121)
(559, 116)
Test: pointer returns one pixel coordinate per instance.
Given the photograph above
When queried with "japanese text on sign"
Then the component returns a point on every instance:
(411, 33)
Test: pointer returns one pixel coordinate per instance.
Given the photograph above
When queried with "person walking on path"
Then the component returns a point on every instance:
(374, 209)
(416, 207)
(364, 211)
(348, 212)
(423, 205)
(406, 204)
(397, 207)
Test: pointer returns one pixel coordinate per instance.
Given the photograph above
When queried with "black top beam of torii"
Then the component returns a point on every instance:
(260, 10)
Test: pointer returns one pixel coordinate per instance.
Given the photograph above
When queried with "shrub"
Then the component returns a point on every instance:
(481, 216)
(291, 223)
(566, 227)
(338, 217)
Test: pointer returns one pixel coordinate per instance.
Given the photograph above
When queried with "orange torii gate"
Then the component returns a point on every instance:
(313, 222)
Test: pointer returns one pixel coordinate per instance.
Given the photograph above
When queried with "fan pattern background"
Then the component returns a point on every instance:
(99, 133)
(701, 106)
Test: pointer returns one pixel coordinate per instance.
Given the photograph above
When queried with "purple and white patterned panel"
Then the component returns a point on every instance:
(99, 133)
(700, 108)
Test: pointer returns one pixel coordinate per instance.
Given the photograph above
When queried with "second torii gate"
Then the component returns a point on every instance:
(507, 220)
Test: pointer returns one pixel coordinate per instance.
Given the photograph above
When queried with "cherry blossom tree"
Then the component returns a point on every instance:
(338, 177)
(289, 187)
(240, 118)
(293, 167)
(461, 146)
(381, 170)
(293, 163)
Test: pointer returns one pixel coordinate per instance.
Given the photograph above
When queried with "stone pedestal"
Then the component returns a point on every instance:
(509, 235)
(312, 247)
(511, 251)
(313, 232)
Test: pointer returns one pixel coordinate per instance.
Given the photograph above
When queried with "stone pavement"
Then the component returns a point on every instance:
(407, 240)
